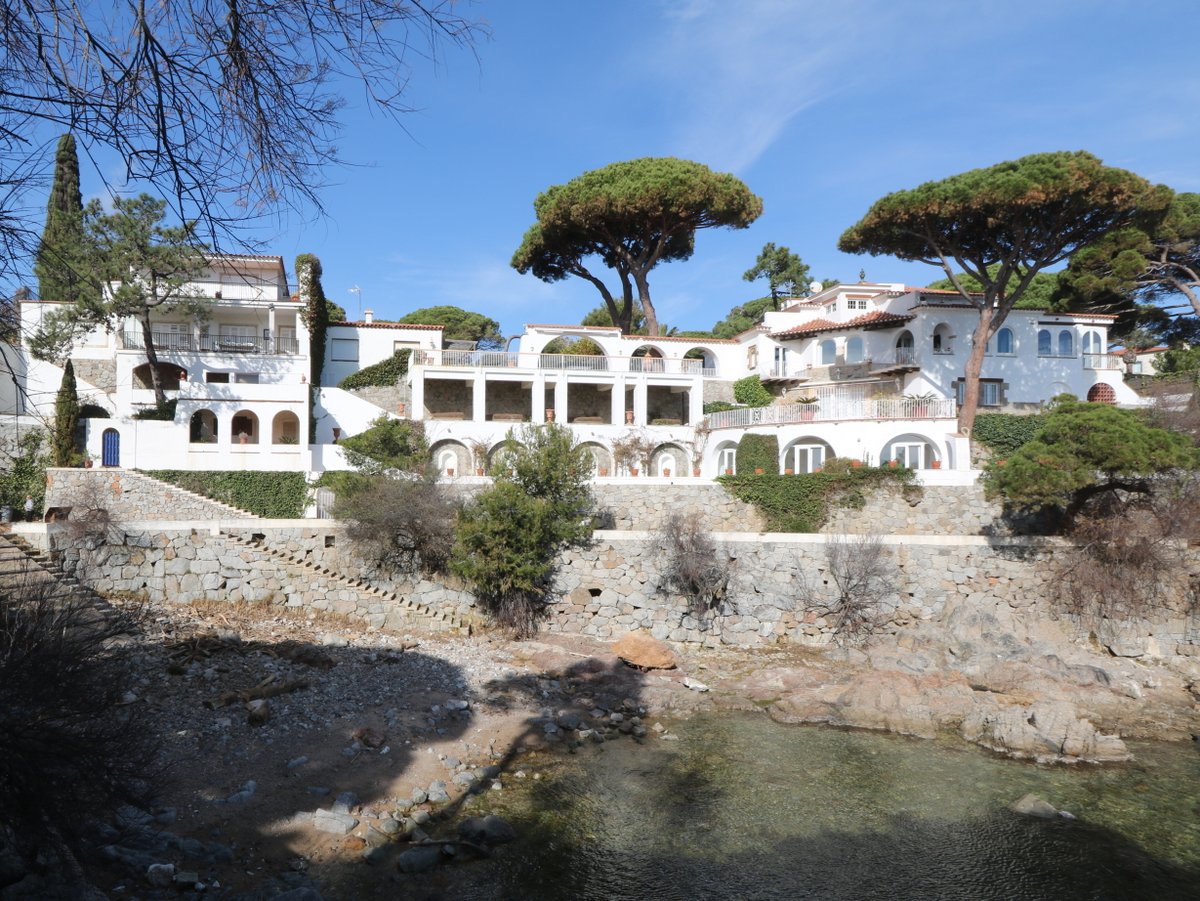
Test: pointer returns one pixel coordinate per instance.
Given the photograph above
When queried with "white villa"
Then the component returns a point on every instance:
(871, 372)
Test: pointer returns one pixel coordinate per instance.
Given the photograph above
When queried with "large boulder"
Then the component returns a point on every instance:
(1048, 732)
(644, 651)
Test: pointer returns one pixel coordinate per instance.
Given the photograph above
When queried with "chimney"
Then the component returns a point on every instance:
(368, 316)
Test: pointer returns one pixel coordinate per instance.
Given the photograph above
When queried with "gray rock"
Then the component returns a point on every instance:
(1033, 806)
(488, 830)
(344, 802)
(418, 860)
(437, 792)
(419, 796)
(466, 779)
(160, 875)
(337, 823)
(243, 794)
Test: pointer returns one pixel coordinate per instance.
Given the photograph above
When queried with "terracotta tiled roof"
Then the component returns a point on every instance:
(645, 338)
(874, 319)
(396, 325)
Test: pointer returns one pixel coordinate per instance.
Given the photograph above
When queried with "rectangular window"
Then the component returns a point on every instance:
(246, 378)
(990, 393)
(217, 378)
(344, 350)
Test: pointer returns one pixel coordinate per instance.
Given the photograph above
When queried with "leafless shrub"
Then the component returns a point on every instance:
(1175, 406)
(692, 563)
(406, 525)
(859, 576)
(1129, 560)
(71, 747)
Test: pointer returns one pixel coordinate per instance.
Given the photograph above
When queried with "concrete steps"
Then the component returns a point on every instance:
(438, 620)
(23, 566)
(228, 510)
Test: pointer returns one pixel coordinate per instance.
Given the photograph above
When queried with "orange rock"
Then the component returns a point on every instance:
(642, 650)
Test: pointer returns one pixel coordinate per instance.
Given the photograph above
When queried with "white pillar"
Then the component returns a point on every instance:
(537, 398)
(696, 403)
(271, 330)
(417, 399)
(639, 401)
(618, 401)
(561, 414)
(479, 398)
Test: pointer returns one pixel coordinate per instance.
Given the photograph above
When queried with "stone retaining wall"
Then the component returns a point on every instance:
(644, 506)
(917, 510)
(130, 496)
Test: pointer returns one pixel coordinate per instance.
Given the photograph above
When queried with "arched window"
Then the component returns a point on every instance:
(1091, 343)
(244, 427)
(647, 359)
(1066, 343)
(904, 348)
(913, 451)
(806, 455)
(285, 428)
(942, 339)
(1045, 348)
(727, 460)
(828, 352)
(203, 427)
(854, 350)
(1005, 345)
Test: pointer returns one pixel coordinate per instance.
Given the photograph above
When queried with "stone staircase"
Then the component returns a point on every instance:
(131, 495)
(24, 567)
(420, 615)
(228, 511)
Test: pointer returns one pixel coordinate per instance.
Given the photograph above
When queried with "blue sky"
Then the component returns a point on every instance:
(819, 107)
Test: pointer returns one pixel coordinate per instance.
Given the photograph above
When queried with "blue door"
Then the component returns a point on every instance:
(112, 448)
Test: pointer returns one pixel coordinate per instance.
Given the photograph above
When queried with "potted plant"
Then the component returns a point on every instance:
(936, 464)
(892, 464)
(808, 408)
(479, 452)
(630, 451)
(758, 470)
(666, 473)
(603, 472)
(789, 471)
(921, 403)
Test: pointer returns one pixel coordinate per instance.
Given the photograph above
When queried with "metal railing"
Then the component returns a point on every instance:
(221, 344)
(834, 409)
(485, 359)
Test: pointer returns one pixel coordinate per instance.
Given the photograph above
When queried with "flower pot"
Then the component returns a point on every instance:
(549, 414)
(808, 414)
(479, 470)
(789, 472)
(450, 471)
(603, 471)
(633, 470)
(88, 464)
(856, 464)
(401, 409)
(696, 471)
(628, 417)
(892, 464)
(666, 473)
(729, 472)
(936, 464)
(758, 470)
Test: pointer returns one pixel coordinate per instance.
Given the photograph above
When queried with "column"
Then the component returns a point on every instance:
(618, 401)
(479, 398)
(537, 398)
(639, 401)
(417, 399)
(561, 414)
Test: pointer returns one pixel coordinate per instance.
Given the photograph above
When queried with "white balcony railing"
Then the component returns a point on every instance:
(1103, 361)
(497, 359)
(834, 409)
(165, 342)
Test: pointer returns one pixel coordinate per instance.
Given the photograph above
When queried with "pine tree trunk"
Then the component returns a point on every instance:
(160, 396)
(970, 405)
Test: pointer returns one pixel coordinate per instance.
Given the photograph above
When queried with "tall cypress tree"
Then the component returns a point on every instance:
(66, 418)
(61, 265)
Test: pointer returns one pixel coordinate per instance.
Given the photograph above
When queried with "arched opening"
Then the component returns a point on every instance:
(168, 373)
(905, 347)
(647, 359)
(1006, 345)
(575, 345)
(913, 451)
(451, 458)
(699, 359)
(203, 427)
(1044, 346)
(1066, 343)
(807, 454)
(942, 339)
(828, 352)
(601, 458)
(1102, 393)
(854, 349)
(285, 428)
(668, 460)
(727, 459)
(110, 448)
(244, 427)
(1091, 343)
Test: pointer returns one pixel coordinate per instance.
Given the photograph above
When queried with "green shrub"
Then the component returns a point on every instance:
(382, 375)
(93, 411)
(758, 452)
(752, 392)
(388, 444)
(274, 495)
(164, 412)
(800, 503)
(1004, 433)
(23, 471)
(717, 406)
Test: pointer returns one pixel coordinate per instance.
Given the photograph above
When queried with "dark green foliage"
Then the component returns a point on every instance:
(66, 419)
(1005, 433)
(717, 406)
(1178, 359)
(93, 411)
(459, 325)
(1084, 450)
(164, 411)
(23, 471)
(751, 392)
(785, 272)
(316, 314)
(1043, 293)
(507, 539)
(756, 452)
(381, 375)
(389, 444)
(630, 216)
(742, 318)
(800, 503)
(273, 495)
(62, 267)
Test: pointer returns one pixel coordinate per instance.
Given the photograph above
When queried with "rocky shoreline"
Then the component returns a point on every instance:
(313, 758)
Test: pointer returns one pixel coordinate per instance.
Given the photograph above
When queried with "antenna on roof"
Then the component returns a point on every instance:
(815, 288)
(357, 290)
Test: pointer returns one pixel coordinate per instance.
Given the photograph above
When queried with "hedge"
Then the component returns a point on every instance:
(758, 452)
(752, 392)
(800, 503)
(381, 375)
(274, 495)
(1004, 433)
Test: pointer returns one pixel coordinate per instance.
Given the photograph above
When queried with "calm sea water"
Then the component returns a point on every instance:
(742, 807)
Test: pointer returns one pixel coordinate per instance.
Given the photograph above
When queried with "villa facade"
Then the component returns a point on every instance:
(871, 372)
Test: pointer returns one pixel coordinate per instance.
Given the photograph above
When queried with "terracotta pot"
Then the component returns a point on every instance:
(479, 470)
(789, 472)
(856, 464)
(603, 471)
(666, 473)
(549, 414)
(450, 471)
(936, 464)
(633, 470)
(401, 409)
(88, 464)
(892, 464)
(628, 417)
(758, 470)
(696, 472)
(729, 472)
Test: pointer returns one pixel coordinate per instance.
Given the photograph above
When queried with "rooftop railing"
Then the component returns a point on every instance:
(834, 409)
(217, 344)
(488, 359)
